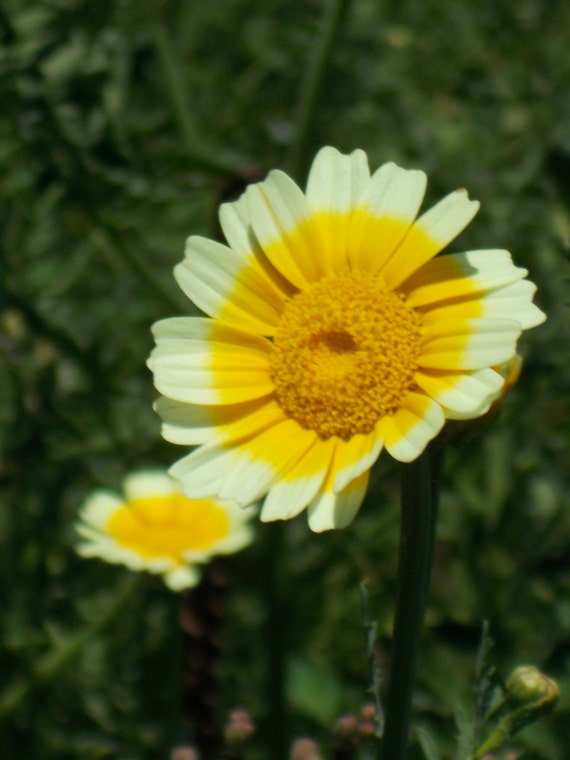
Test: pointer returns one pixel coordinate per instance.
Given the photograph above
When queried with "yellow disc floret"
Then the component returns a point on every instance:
(344, 355)
(168, 526)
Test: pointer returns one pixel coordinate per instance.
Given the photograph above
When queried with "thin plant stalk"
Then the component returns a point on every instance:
(276, 636)
(419, 494)
(334, 13)
(200, 150)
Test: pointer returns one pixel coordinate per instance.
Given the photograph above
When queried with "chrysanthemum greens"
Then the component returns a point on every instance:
(333, 332)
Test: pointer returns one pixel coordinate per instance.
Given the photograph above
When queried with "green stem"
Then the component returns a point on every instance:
(312, 83)
(418, 521)
(276, 640)
(63, 653)
(200, 150)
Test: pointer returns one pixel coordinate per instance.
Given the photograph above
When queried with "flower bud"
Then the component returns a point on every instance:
(185, 752)
(305, 749)
(527, 685)
(239, 728)
(368, 725)
(345, 732)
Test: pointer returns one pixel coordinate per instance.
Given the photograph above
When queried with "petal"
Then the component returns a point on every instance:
(384, 215)
(280, 217)
(240, 536)
(202, 361)
(513, 302)
(94, 544)
(194, 424)
(99, 508)
(330, 510)
(225, 287)
(336, 182)
(237, 229)
(355, 457)
(185, 424)
(181, 578)
(429, 235)
(291, 494)
(469, 343)
(466, 394)
(236, 226)
(148, 483)
(408, 431)
(459, 275)
(246, 470)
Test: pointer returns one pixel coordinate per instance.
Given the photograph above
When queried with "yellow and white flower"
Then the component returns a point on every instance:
(334, 332)
(155, 527)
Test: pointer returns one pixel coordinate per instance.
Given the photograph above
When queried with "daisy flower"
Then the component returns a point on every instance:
(155, 527)
(333, 331)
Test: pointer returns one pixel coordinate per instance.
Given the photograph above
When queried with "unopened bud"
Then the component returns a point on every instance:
(239, 728)
(345, 732)
(527, 685)
(184, 753)
(368, 721)
(305, 749)
(368, 711)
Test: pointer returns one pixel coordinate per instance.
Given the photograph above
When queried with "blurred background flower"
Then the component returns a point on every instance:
(155, 527)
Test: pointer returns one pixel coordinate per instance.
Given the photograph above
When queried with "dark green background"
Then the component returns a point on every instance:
(122, 126)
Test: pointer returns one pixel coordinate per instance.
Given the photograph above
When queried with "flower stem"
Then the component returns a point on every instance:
(201, 614)
(419, 492)
(199, 146)
(276, 640)
(312, 83)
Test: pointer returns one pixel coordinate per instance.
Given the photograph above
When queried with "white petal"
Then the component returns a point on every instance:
(202, 361)
(225, 286)
(278, 209)
(469, 343)
(395, 193)
(356, 456)
(408, 431)
(330, 510)
(99, 507)
(145, 483)
(429, 235)
(384, 215)
(468, 394)
(237, 229)
(458, 275)
(291, 494)
(336, 182)
(444, 221)
(181, 578)
(244, 472)
(514, 301)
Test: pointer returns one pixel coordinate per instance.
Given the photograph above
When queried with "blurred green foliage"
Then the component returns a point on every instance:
(123, 125)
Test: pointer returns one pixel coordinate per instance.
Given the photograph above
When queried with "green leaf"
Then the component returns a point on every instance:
(428, 745)
(314, 690)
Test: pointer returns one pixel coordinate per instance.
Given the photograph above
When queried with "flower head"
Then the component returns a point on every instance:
(155, 527)
(334, 332)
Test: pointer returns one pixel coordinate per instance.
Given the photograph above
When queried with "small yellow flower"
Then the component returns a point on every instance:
(155, 527)
(335, 332)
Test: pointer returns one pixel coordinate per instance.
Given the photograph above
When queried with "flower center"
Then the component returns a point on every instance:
(344, 355)
(166, 526)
